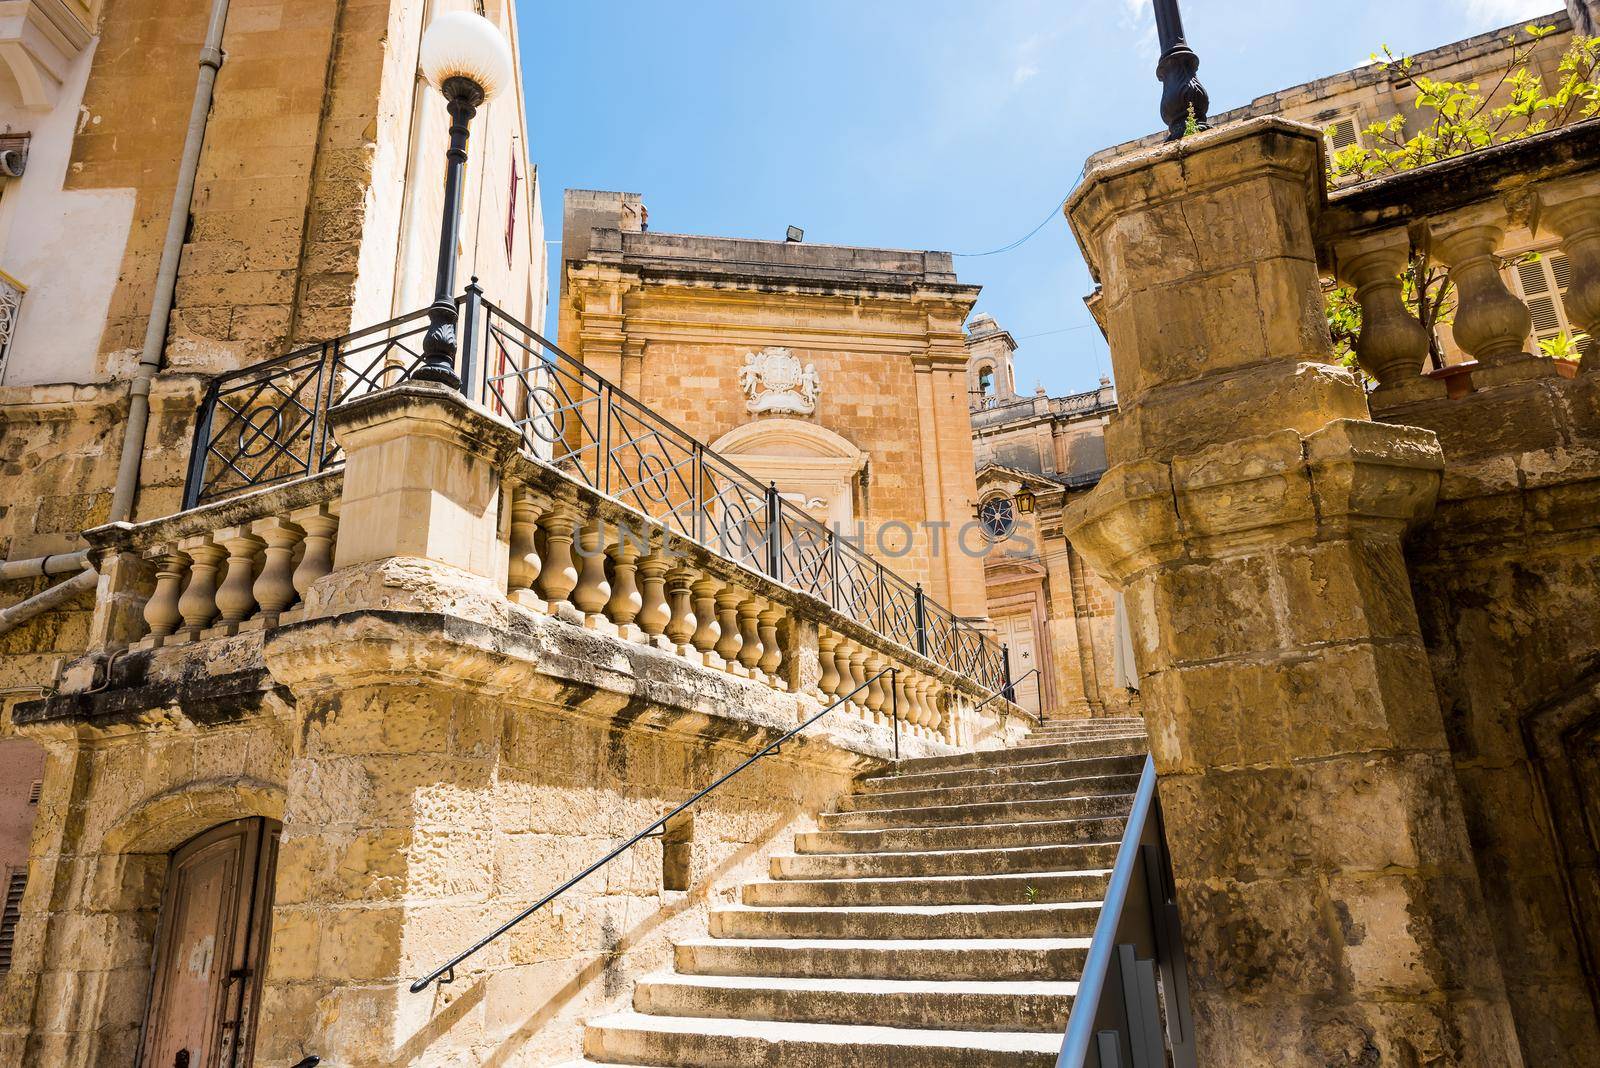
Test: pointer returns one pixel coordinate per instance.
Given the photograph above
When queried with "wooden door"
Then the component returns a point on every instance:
(1017, 633)
(210, 946)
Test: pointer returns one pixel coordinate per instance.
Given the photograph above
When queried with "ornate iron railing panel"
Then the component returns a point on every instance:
(268, 423)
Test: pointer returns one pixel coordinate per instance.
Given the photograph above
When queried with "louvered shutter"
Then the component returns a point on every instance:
(1542, 284)
(1342, 133)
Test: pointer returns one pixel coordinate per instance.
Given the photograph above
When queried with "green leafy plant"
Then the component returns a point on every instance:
(1451, 119)
(1562, 347)
(1032, 894)
(1191, 124)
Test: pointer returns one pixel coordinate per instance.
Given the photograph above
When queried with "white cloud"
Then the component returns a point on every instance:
(1138, 18)
(1493, 14)
(1023, 72)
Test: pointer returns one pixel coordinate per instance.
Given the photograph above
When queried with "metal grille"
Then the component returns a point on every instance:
(11, 292)
(268, 423)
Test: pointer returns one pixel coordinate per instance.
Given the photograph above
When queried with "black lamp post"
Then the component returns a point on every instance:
(1181, 90)
(467, 59)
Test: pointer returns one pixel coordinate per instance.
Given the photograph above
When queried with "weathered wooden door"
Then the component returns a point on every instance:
(1017, 633)
(210, 946)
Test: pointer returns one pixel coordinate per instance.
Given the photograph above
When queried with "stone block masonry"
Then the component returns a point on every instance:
(1253, 515)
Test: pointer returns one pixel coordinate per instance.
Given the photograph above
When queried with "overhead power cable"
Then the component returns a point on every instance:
(1021, 240)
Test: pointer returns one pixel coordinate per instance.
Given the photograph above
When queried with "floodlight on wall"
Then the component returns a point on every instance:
(795, 234)
(467, 59)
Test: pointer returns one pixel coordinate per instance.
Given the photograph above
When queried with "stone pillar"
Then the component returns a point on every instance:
(422, 482)
(1253, 516)
(388, 851)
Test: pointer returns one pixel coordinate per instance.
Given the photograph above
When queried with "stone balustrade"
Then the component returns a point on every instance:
(569, 553)
(583, 558)
(244, 564)
(1462, 215)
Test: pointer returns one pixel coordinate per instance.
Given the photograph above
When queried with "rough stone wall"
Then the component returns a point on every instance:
(1507, 583)
(295, 224)
(419, 810)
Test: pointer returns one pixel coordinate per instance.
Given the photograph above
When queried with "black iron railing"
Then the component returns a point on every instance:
(446, 972)
(1131, 1009)
(268, 423)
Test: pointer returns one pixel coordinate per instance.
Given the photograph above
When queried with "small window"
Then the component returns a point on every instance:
(997, 518)
(511, 206)
(35, 791)
(1342, 133)
(10, 913)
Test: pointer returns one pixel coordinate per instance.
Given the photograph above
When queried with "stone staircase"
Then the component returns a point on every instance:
(939, 917)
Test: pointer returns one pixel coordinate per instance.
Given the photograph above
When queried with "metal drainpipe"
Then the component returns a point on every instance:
(40, 603)
(54, 564)
(155, 334)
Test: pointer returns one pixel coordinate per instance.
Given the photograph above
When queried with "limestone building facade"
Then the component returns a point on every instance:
(314, 210)
(838, 372)
(1057, 616)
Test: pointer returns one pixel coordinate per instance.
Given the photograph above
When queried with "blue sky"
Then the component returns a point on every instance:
(939, 124)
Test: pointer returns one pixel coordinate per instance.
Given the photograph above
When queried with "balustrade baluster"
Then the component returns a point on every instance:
(161, 612)
(1392, 344)
(234, 599)
(316, 554)
(899, 703)
(274, 587)
(198, 605)
(653, 614)
(750, 650)
(681, 625)
(559, 575)
(626, 600)
(858, 678)
(729, 642)
(877, 691)
(1576, 221)
(828, 684)
(707, 630)
(1490, 323)
(593, 590)
(525, 565)
(771, 650)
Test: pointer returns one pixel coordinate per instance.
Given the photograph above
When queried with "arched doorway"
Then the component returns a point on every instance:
(210, 947)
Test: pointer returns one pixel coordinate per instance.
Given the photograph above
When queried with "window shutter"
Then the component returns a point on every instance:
(10, 913)
(1542, 284)
(35, 791)
(1342, 133)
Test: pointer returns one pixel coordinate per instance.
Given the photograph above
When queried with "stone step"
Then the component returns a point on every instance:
(1057, 919)
(1026, 754)
(1094, 829)
(1086, 767)
(949, 958)
(959, 1005)
(969, 815)
(1030, 889)
(1043, 790)
(679, 1041)
(943, 862)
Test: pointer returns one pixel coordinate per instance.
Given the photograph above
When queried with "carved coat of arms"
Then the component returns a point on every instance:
(774, 381)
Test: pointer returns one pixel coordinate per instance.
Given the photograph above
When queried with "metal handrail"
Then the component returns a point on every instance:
(1008, 691)
(1085, 1033)
(445, 973)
